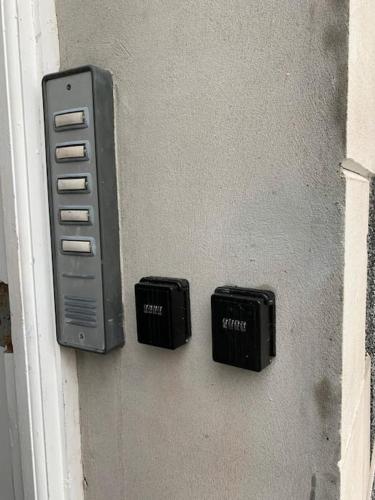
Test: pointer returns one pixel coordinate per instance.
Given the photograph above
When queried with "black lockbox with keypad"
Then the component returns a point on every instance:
(243, 327)
(163, 311)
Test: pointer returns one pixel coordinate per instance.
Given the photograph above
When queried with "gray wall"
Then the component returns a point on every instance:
(6, 476)
(230, 131)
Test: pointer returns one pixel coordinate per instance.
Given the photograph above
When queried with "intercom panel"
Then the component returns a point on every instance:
(79, 129)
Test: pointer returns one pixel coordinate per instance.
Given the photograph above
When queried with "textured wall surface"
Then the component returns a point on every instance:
(7, 490)
(230, 131)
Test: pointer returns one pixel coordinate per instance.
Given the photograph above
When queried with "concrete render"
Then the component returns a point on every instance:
(230, 128)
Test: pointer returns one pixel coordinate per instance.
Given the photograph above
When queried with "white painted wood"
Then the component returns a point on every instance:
(355, 414)
(361, 75)
(360, 127)
(355, 285)
(45, 375)
(356, 462)
(3, 261)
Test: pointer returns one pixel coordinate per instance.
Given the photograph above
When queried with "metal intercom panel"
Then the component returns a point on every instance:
(79, 128)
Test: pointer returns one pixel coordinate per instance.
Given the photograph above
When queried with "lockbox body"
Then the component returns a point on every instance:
(163, 311)
(243, 327)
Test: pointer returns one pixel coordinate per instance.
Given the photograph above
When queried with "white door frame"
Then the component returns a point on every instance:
(45, 375)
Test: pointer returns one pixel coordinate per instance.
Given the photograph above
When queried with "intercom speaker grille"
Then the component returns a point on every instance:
(80, 311)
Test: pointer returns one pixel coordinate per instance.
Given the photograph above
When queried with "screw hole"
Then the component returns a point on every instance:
(68, 87)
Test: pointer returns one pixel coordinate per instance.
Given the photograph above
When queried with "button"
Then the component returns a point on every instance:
(75, 119)
(72, 184)
(74, 215)
(77, 246)
(71, 152)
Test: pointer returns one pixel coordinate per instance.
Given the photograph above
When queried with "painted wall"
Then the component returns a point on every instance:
(6, 473)
(230, 130)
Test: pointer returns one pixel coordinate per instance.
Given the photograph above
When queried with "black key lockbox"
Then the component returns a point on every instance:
(163, 311)
(243, 327)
